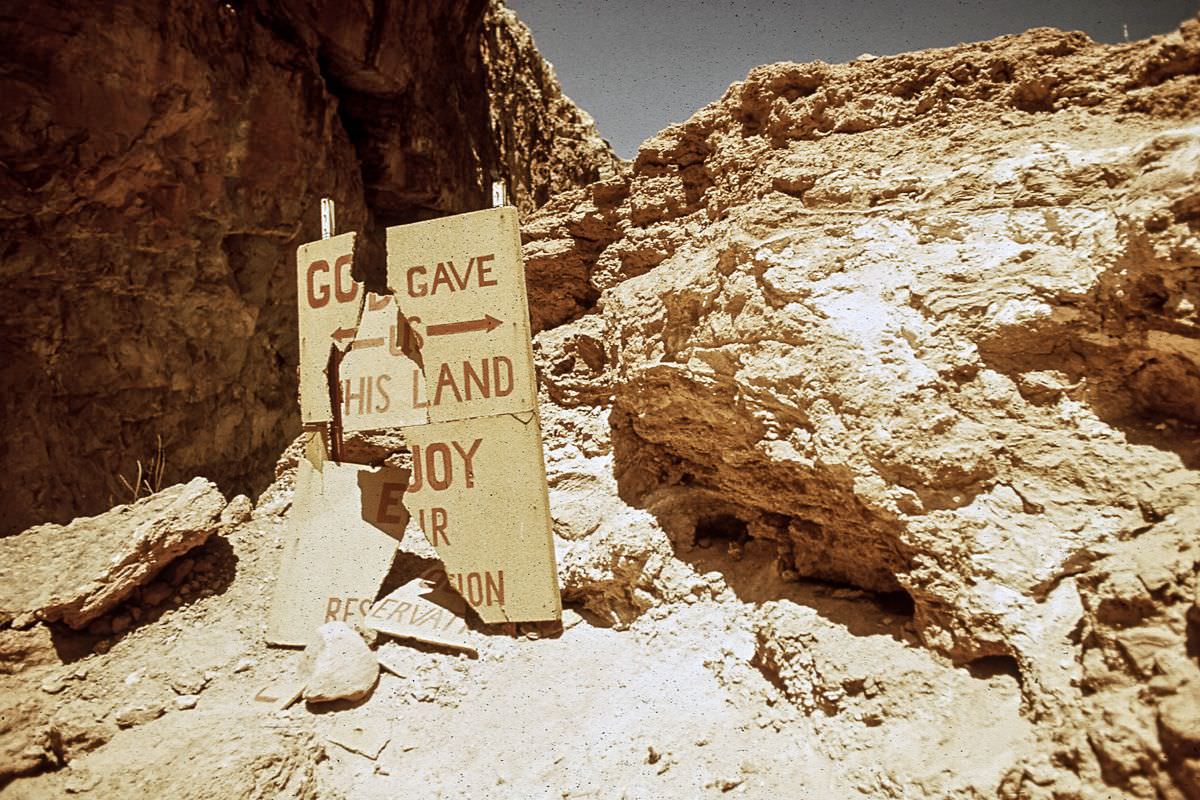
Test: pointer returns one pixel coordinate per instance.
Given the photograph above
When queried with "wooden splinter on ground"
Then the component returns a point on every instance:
(447, 359)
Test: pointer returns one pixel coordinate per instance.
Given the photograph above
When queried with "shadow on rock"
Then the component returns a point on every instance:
(204, 571)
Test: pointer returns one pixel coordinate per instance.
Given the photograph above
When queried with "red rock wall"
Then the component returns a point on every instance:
(158, 166)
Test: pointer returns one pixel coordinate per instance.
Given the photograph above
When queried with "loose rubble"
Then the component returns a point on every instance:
(74, 573)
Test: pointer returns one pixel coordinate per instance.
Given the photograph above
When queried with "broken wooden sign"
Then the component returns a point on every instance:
(426, 609)
(446, 357)
(330, 301)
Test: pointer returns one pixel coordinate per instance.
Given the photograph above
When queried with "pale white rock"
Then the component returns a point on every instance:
(76, 572)
(337, 665)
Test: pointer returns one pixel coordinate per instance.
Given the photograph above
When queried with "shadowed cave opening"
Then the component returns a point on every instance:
(719, 528)
(898, 603)
(726, 544)
(990, 666)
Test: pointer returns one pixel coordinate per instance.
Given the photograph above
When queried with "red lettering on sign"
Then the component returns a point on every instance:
(344, 287)
(363, 395)
(468, 457)
(434, 453)
(478, 589)
(415, 289)
(474, 589)
(434, 464)
(315, 299)
(415, 480)
(471, 376)
(368, 386)
(449, 277)
(441, 276)
(347, 292)
(389, 494)
(493, 377)
(428, 614)
(495, 587)
(384, 400)
(347, 606)
(436, 529)
(331, 608)
(485, 271)
(418, 385)
(445, 378)
(506, 373)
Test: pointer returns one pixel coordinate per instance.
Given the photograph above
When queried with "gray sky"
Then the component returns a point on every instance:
(640, 65)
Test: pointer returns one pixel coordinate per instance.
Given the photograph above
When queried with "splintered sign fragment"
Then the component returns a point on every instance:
(337, 556)
(451, 347)
(381, 381)
(281, 694)
(424, 610)
(478, 491)
(458, 334)
(329, 300)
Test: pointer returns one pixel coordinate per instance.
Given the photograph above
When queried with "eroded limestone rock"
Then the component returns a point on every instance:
(337, 665)
(928, 325)
(74, 573)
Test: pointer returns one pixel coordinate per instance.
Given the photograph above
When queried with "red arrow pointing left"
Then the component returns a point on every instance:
(342, 334)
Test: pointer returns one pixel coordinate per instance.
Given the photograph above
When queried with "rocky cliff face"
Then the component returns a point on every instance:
(158, 167)
(925, 325)
(547, 143)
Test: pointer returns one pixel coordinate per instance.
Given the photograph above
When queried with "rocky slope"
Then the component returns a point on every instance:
(925, 324)
(871, 409)
(547, 144)
(158, 167)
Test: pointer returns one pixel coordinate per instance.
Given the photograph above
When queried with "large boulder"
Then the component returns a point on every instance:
(337, 665)
(928, 325)
(74, 573)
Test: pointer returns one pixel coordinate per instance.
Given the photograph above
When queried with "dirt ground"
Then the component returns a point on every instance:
(669, 707)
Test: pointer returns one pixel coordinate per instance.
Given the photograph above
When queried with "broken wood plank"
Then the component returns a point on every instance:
(425, 610)
(337, 555)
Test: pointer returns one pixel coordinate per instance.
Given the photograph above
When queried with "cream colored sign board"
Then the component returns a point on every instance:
(461, 283)
(329, 300)
(458, 352)
(447, 357)
(337, 556)
(453, 341)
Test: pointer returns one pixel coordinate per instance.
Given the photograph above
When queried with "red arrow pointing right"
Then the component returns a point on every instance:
(488, 323)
